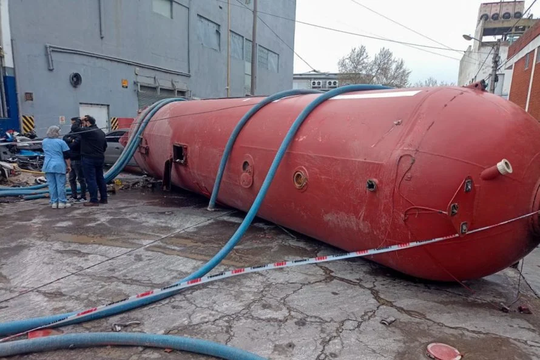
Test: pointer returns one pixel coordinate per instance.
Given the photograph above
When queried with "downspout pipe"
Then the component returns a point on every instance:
(100, 5)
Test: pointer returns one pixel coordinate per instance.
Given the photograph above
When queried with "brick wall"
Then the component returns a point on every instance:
(521, 77)
(534, 102)
(525, 39)
(520, 81)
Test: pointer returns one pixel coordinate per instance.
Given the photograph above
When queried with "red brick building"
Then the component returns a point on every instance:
(524, 59)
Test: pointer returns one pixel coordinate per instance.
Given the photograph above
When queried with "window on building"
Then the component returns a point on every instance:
(163, 7)
(247, 65)
(273, 61)
(237, 46)
(247, 50)
(209, 33)
(538, 55)
(268, 60)
(149, 94)
(247, 83)
(527, 60)
(262, 58)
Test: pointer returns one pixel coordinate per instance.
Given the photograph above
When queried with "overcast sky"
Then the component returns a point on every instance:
(442, 20)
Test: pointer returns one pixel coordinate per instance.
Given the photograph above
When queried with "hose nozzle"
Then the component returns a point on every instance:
(503, 167)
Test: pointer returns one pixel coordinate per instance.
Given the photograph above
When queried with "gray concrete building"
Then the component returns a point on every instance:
(316, 80)
(499, 23)
(110, 58)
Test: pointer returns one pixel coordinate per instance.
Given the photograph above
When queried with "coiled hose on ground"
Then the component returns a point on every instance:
(14, 327)
(70, 341)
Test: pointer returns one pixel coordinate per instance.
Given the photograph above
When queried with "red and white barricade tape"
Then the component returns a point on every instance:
(175, 288)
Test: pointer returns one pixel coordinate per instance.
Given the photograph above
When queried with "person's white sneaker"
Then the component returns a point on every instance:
(63, 205)
(54, 205)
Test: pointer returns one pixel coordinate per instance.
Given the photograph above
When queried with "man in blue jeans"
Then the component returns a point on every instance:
(93, 146)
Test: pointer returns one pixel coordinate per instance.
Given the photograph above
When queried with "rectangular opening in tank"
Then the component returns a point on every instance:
(179, 153)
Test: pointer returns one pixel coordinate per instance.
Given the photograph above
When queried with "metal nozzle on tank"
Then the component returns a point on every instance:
(503, 167)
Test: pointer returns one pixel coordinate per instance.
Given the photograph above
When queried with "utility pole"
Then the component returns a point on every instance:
(228, 48)
(254, 56)
(495, 66)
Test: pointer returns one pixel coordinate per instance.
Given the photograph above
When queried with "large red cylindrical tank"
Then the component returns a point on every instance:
(371, 169)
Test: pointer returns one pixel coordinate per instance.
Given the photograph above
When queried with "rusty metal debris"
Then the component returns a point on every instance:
(119, 327)
(388, 321)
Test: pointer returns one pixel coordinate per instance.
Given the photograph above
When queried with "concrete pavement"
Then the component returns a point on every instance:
(531, 270)
(143, 240)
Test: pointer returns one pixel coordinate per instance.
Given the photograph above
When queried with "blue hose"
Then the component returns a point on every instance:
(37, 192)
(14, 327)
(33, 187)
(212, 263)
(86, 340)
(243, 121)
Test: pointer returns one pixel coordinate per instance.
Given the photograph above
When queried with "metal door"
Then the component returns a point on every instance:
(98, 112)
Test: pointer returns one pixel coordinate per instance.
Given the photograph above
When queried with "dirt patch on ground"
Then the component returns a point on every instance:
(481, 347)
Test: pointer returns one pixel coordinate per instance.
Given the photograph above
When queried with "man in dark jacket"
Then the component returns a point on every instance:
(76, 174)
(93, 146)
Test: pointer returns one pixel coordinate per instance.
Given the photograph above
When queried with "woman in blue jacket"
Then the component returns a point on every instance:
(55, 167)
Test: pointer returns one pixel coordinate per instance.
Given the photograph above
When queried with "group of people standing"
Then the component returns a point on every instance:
(81, 154)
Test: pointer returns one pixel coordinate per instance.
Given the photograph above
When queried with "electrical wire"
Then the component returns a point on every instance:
(374, 37)
(283, 41)
(482, 66)
(351, 33)
(404, 26)
(524, 14)
(279, 37)
(515, 24)
(420, 47)
(414, 31)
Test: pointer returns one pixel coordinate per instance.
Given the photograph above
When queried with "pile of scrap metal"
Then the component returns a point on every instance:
(7, 170)
(23, 150)
(13, 176)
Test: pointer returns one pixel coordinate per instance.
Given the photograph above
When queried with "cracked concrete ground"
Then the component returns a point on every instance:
(55, 261)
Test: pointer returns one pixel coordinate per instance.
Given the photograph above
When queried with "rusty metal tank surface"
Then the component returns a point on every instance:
(371, 169)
